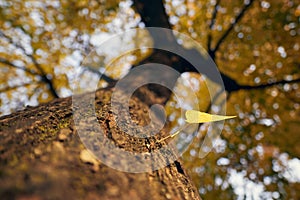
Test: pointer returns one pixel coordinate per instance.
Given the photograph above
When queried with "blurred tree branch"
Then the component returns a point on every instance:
(212, 23)
(5, 89)
(6, 62)
(226, 33)
(153, 15)
(266, 85)
(149, 17)
(102, 76)
(42, 73)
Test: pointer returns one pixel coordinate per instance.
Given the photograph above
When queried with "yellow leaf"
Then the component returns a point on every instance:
(194, 116)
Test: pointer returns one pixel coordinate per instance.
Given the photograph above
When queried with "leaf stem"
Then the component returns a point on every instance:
(176, 133)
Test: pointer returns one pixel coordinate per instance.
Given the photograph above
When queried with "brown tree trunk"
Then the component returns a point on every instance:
(42, 157)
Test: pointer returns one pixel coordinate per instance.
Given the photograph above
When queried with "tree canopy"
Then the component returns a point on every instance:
(254, 43)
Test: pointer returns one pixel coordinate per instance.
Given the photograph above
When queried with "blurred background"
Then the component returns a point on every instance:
(254, 42)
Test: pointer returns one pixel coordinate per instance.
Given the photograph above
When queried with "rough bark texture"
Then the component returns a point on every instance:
(41, 158)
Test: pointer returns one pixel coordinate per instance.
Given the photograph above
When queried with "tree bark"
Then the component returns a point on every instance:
(41, 157)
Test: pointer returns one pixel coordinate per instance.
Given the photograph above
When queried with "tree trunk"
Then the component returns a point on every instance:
(42, 157)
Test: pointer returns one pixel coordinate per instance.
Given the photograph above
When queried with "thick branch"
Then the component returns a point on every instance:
(189, 58)
(153, 13)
